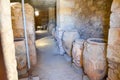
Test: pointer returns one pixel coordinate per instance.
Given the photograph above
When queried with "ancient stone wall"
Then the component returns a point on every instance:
(113, 52)
(92, 17)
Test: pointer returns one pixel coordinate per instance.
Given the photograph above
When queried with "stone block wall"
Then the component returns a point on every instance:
(89, 17)
(113, 51)
(92, 17)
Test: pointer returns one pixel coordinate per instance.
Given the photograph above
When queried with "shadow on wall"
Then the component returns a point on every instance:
(2, 65)
(92, 18)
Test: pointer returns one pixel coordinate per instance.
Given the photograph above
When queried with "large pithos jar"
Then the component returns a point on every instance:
(68, 38)
(77, 52)
(94, 58)
(18, 28)
(20, 53)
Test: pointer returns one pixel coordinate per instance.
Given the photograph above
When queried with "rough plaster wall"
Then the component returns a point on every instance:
(92, 17)
(113, 51)
(64, 14)
(7, 40)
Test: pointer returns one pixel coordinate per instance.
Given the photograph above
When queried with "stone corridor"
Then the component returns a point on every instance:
(52, 66)
(60, 39)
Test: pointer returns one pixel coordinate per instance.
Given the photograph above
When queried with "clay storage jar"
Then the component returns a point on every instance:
(68, 39)
(94, 58)
(77, 52)
(18, 30)
(20, 53)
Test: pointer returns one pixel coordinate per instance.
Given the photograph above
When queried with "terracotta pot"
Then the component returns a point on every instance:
(77, 52)
(94, 58)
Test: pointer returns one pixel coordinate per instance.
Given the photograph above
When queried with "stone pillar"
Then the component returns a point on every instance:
(7, 40)
(64, 14)
(114, 42)
(65, 20)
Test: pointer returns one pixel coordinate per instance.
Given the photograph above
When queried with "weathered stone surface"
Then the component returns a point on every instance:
(114, 36)
(115, 6)
(7, 41)
(68, 39)
(22, 72)
(77, 52)
(20, 51)
(32, 50)
(114, 53)
(92, 18)
(18, 24)
(114, 71)
(115, 20)
(31, 33)
(114, 45)
(94, 59)
(65, 20)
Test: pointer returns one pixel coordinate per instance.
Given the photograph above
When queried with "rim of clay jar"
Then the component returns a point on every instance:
(80, 41)
(96, 41)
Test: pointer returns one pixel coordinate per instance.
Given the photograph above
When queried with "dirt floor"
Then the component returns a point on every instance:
(52, 66)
